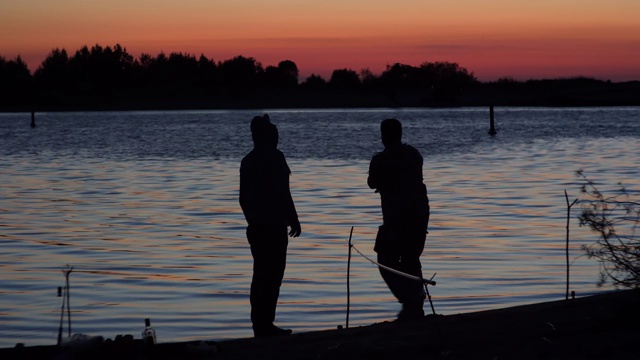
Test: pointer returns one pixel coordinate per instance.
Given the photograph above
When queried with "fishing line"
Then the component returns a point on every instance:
(422, 280)
(408, 276)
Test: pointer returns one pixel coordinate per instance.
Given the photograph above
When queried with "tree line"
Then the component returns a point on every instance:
(109, 77)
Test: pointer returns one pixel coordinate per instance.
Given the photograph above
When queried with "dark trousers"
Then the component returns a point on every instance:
(400, 247)
(269, 251)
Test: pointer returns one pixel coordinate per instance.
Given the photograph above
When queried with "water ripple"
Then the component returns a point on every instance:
(148, 215)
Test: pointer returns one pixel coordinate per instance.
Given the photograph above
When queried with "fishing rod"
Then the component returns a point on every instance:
(424, 281)
(408, 276)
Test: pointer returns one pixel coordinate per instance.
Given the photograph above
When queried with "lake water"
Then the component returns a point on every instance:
(144, 206)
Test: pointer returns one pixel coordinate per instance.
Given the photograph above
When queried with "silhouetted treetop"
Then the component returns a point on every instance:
(241, 74)
(344, 79)
(427, 75)
(97, 76)
(16, 83)
(54, 70)
(314, 82)
(284, 76)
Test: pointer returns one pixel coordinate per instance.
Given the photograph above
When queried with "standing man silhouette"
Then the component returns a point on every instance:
(396, 173)
(265, 199)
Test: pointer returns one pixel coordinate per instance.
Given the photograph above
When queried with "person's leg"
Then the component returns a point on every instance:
(394, 281)
(412, 293)
(389, 255)
(391, 248)
(269, 250)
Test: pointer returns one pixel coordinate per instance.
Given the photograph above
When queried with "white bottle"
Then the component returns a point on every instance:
(148, 334)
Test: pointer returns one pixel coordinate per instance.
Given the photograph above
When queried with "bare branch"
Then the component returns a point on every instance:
(616, 219)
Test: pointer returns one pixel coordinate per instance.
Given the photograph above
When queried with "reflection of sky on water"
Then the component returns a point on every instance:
(164, 238)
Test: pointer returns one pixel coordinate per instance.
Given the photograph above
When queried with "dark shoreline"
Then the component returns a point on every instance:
(602, 326)
(543, 93)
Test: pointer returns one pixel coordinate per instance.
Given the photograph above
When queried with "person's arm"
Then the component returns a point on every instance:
(374, 180)
(292, 215)
(245, 197)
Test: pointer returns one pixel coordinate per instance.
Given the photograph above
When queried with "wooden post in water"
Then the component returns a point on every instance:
(33, 119)
(492, 127)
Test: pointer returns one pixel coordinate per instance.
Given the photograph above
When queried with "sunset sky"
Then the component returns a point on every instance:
(521, 39)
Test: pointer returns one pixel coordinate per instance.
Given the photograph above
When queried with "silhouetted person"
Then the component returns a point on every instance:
(267, 205)
(396, 173)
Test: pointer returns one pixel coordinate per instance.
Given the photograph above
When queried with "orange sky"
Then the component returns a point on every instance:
(492, 38)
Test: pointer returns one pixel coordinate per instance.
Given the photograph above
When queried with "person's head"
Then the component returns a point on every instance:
(391, 132)
(263, 132)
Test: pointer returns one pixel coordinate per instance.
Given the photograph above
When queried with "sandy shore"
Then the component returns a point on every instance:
(605, 326)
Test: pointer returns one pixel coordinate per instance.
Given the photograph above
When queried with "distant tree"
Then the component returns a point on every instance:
(120, 64)
(16, 83)
(273, 78)
(572, 82)
(507, 80)
(368, 79)
(290, 72)
(100, 70)
(182, 71)
(207, 77)
(14, 72)
(447, 72)
(140, 71)
(507, 83)
(53, 73)
(156, 70)
(284, 76)
(240, 75)
(314, 82)
(616, 220)
(346, 79)
(398, 76)
(447, 80)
